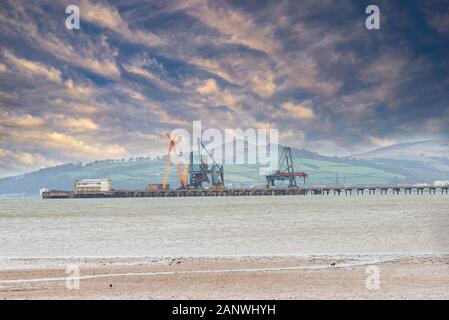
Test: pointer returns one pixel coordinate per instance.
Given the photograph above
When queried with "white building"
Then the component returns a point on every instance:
(441, 183)
(93, 185)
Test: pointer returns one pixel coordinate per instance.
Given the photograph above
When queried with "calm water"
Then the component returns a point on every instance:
(224, 226)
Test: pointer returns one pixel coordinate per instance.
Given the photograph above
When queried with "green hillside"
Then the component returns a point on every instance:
(136, 174)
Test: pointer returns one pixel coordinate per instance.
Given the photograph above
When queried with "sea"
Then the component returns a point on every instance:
(33, 228)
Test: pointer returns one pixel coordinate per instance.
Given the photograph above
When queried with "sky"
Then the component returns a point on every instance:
(136, 70)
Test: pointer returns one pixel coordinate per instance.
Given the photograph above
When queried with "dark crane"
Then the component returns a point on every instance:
(286, 170)
(203, 173)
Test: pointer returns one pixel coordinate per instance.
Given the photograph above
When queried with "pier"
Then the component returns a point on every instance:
(234, 192)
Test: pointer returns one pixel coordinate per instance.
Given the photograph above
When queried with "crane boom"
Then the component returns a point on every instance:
(181, 171)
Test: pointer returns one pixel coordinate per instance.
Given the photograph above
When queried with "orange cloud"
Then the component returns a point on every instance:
(80, 149)
(298, 111)
(82, 124)
(22, 121)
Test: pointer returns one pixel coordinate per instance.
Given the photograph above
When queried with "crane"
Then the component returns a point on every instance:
(203, 173)
(182, 172)
(286, 170)
(217, 172)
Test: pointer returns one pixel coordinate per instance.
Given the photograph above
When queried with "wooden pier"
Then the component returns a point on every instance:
(234, 192)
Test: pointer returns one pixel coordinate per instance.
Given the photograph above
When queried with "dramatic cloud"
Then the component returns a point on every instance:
(216, 95)
(138, 69)
(238, 27)
(298, 111)
(23, 121)
(108, 17)
(61, 141)
(34, 68)
(80, 124)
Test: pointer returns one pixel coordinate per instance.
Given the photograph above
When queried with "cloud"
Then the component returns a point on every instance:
(212, 66)
(83, 124)
(63, 145)
(136, 95)
(301, 70)
(21, 121)
(216, 95)
(298, 111)
(288, 137)
(108, 17)
(19, 162)
(78, 90)
(158, 112)
(250, 73)
(276, 71)
(239, 27)
(263, 84)
(389, 66)
(80, 149)
(439, 21)
(37, 71)
(33, 68)
(81, 49)
(96, 57)
(386, 77)
(21, 157)
(140, 66)
(381, 142)
(25, 158)
(7, 95)
(79, 106)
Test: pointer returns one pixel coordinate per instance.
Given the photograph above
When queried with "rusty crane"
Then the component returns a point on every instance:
(182, 169)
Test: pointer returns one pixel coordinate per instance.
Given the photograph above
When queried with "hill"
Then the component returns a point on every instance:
(423, 160)
(382, 166)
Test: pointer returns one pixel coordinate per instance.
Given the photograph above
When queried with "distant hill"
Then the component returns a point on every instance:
(426, 160)
(410, 151)
(418, 162)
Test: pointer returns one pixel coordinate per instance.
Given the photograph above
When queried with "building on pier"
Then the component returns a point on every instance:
(93, 185)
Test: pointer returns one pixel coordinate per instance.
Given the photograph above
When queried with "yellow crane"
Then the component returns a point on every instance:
(182, 172)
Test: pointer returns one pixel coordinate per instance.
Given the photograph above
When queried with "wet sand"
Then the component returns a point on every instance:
(401, 277)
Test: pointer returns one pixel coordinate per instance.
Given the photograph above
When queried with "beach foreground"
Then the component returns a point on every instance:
(400, 277)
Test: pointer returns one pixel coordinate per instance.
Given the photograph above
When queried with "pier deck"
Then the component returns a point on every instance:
(331, 190)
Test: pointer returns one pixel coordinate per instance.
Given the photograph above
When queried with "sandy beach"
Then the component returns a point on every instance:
(400, 277)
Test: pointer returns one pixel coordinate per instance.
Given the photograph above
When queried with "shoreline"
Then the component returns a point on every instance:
(60, 262)
(424, 276)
